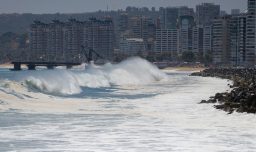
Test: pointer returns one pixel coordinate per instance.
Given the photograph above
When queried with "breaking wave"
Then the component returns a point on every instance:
(133, 71)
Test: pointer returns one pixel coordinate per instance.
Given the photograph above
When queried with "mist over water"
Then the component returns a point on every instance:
(130, 106)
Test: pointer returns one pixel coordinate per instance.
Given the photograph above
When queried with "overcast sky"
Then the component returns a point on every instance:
(77, 6)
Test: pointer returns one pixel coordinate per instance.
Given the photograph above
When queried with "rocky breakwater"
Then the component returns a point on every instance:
(242, 97)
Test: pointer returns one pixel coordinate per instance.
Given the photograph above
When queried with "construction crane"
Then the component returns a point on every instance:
(88, 53)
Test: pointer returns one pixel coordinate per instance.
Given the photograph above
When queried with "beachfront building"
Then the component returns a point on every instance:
(206, 12)
(251, 33)
(38, 41)
(186, 26)
(72, 40)
(220, 38)
(207, 39)
(166, 41)
(62, 41)
(169, 17)
(186, 11)
(229, 40)
(55, 43)
(242, 39)
(237, 29)
(100, 36)
(132, 46)
(197, 41)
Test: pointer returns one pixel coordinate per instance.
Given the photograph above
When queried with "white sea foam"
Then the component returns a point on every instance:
(162, 116)
(134, 71)
(171, 120)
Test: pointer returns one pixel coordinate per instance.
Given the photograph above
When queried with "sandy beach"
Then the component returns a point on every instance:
(193, 69)
(6, 65)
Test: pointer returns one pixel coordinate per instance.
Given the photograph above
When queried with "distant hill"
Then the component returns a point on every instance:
(19, 23)
(14, 28)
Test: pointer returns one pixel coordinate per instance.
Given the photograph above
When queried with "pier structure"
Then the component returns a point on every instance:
(49, 65)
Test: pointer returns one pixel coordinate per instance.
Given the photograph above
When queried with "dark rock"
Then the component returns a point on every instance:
(243, 96)
(212, 101)
(203, 101)
(219, 107)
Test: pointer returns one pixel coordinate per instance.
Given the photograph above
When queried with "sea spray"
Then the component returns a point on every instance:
(133, 71)
(55, 82)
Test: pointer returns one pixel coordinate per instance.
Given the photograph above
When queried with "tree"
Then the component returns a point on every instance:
(12, 46)
(188, 56)
(208, 58)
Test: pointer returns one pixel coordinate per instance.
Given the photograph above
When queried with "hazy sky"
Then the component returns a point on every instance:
(76, 6)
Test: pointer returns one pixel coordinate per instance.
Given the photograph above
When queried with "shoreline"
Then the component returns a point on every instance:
(241, 98)
(6, 65)
(185, 69)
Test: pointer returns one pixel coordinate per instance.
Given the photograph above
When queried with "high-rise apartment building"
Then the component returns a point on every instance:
(166, 41)
(135, 27)
(100, 36)
(73, 39)
(123, 21)
(251, 33)
(55, 43)
(38, 41)
(186, 26)
(221, 42)
(61, 42)
(169, 17)
(207, 39)
(122, 27)
(237, 29)
(206, 12)
(186, 11)
(229, 40)
(141, 27)
(242, 38)
(197, 42)
(132, 46)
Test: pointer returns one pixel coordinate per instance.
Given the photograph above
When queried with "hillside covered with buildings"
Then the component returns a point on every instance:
(174, 34)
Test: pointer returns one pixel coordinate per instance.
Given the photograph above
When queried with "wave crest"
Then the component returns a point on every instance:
(133, 71)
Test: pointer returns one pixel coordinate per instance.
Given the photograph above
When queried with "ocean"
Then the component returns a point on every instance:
(127, 107)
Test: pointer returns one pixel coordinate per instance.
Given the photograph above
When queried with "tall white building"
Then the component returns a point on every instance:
(229, 40)
(166, 41)
(220, 45)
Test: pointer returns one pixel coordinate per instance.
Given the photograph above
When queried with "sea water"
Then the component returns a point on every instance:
(126, 107)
